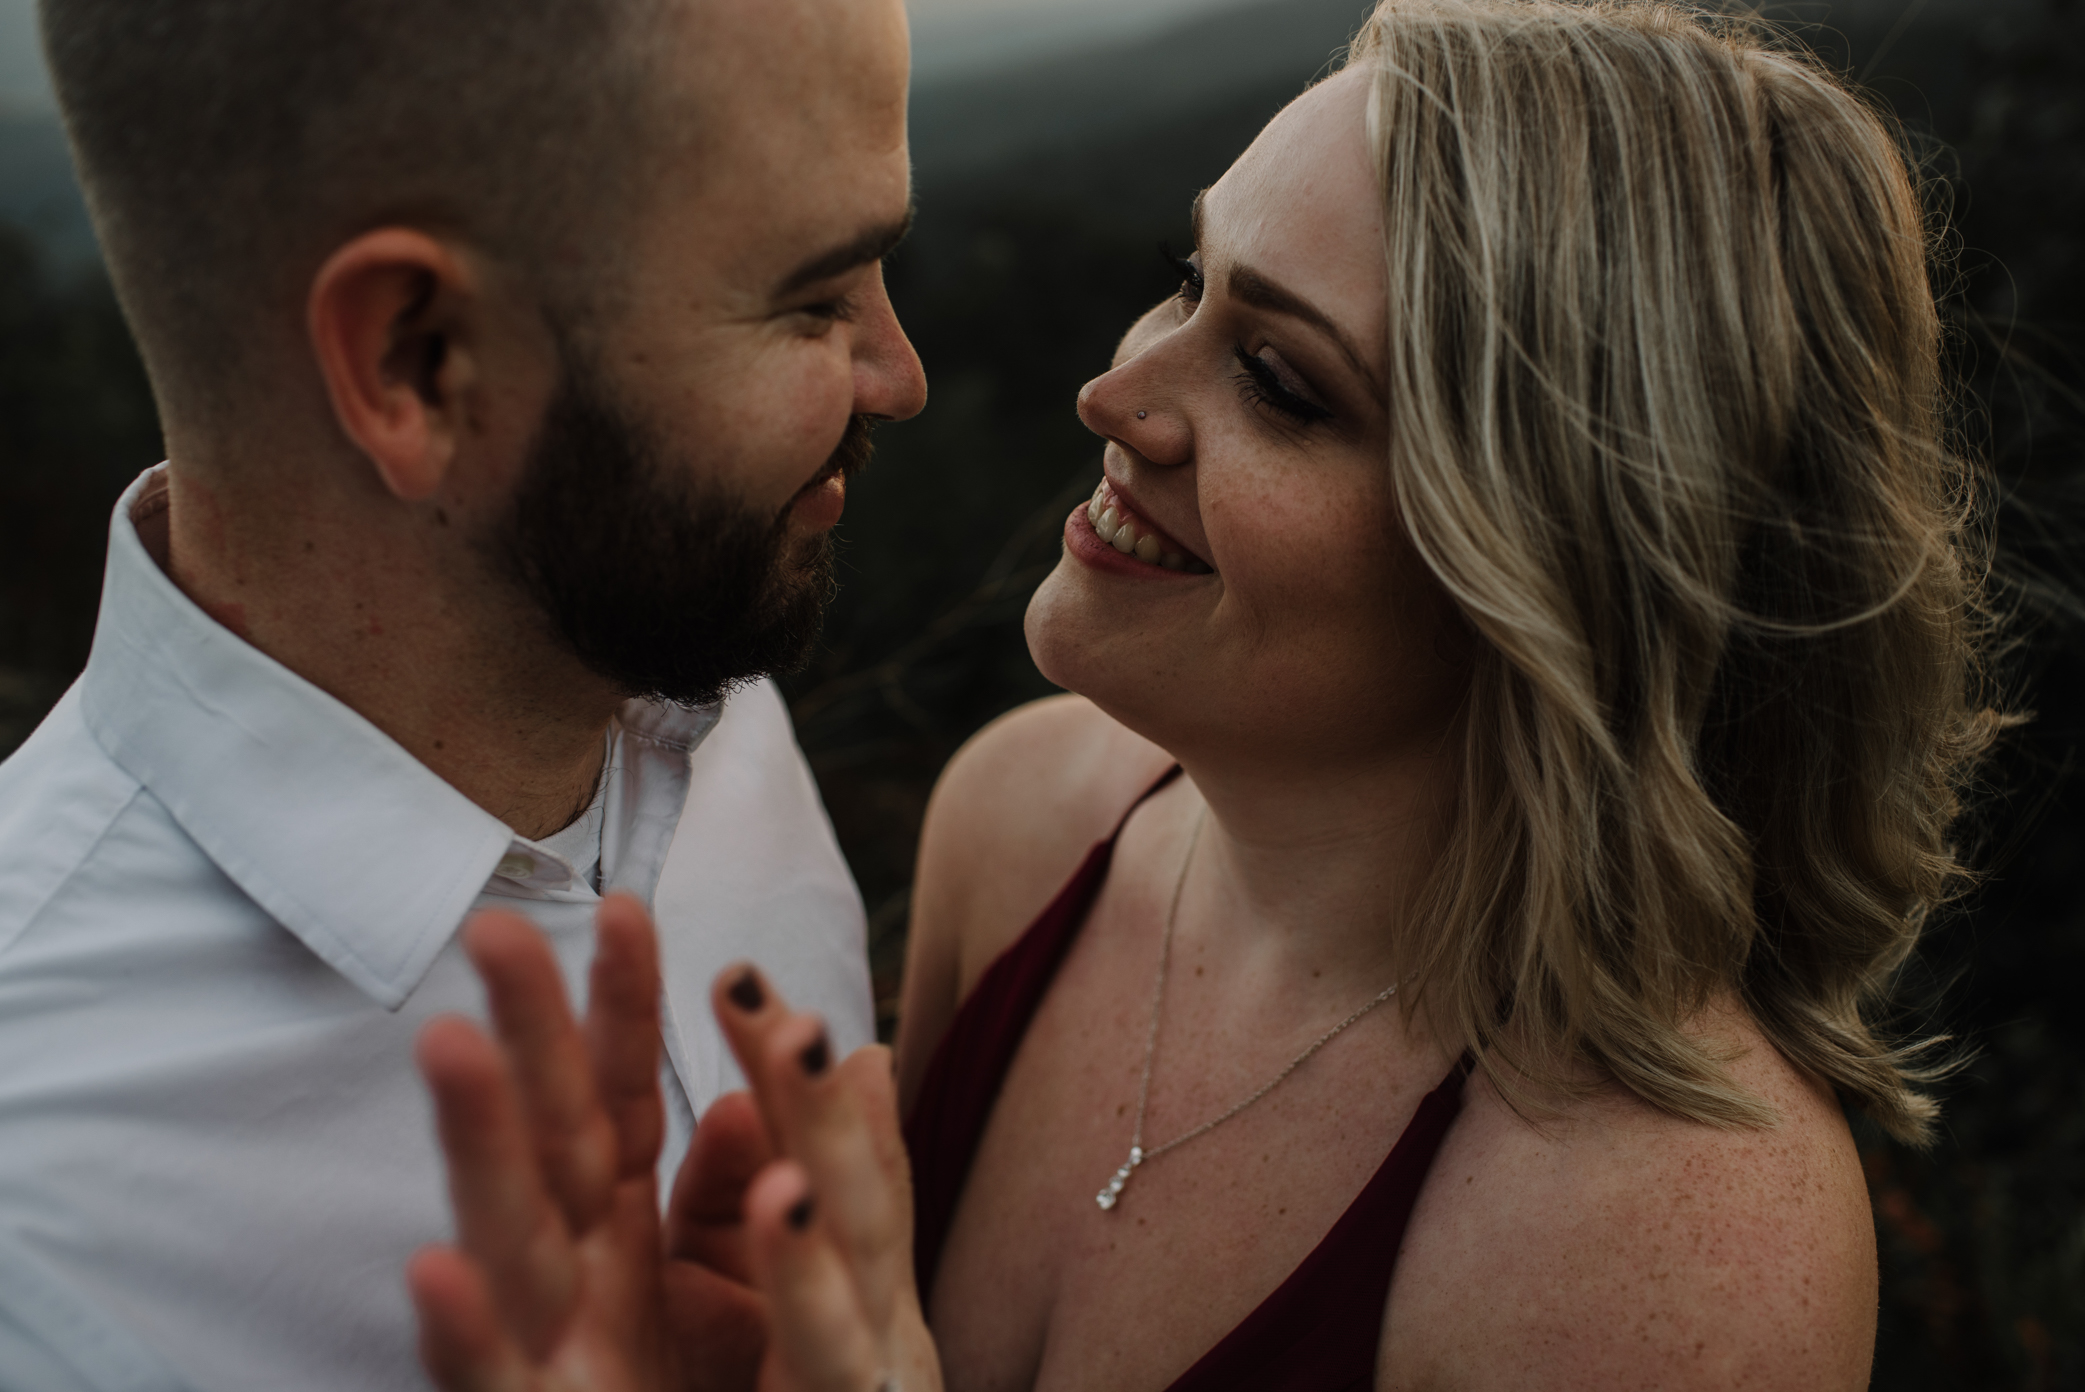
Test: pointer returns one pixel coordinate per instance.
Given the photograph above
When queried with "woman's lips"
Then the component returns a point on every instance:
(1084, 543)
(1115, 523)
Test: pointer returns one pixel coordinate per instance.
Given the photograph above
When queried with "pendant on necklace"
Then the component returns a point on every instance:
(1107, 1197)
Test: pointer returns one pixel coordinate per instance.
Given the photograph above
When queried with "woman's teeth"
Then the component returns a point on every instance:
(1132, 536)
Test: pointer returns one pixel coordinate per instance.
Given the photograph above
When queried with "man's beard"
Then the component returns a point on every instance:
(665, 587)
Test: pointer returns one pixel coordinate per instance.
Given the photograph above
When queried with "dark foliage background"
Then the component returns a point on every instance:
(1044, 192)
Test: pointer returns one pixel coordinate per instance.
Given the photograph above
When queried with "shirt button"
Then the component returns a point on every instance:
(516, 866)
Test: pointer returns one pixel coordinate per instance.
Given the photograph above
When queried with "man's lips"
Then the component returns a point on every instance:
(824, 496)
(820, 502)
(833, 469)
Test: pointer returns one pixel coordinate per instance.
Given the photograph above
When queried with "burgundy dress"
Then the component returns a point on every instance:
(1319, 1330)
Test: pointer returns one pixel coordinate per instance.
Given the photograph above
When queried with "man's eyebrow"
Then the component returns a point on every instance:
(1249, 286)
(872, 245)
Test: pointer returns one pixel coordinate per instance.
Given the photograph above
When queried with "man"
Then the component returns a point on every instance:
(511, 360)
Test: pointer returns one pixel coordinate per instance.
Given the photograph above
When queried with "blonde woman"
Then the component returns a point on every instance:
(1526, 654)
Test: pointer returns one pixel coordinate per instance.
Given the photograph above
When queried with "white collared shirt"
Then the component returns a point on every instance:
(227, 905)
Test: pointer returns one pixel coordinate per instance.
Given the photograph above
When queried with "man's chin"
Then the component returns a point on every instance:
(662, 588)
(806, 577)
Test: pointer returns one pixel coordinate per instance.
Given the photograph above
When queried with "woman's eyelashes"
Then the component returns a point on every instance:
(1260, 385)
(1190, 275)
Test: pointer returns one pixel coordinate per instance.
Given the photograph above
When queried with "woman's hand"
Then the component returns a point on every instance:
(786, 1256)
(829, 1223)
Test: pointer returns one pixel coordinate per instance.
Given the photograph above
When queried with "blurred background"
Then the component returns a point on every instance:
(1058, 142)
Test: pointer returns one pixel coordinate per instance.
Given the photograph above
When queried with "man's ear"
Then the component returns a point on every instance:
(388, 316)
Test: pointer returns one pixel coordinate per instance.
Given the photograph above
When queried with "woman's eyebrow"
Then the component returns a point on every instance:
(1250, 287)
(1257, 290)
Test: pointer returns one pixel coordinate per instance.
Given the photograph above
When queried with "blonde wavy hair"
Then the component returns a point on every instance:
(1668, 424)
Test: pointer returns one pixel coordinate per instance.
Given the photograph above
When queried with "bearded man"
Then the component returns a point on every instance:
(512, 360)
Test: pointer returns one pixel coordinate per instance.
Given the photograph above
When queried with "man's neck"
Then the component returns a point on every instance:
(371, 605)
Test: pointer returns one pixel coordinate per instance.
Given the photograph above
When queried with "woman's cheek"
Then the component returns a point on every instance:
(1310, 553)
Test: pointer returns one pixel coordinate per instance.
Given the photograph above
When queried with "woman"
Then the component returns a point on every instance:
(1530, 530)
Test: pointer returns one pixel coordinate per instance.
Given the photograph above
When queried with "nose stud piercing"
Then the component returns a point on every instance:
(1140, 415)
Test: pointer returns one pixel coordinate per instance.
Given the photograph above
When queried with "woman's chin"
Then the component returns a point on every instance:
(1050, 628)
(1078, 644)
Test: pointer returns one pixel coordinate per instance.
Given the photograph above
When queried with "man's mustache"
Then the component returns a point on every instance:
(849, 458)
(853, 453)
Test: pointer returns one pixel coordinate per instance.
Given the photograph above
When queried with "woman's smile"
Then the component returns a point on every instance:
(1085, 544)
(1111, 520)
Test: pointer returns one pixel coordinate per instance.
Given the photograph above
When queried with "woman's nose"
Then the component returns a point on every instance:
(1125, 406)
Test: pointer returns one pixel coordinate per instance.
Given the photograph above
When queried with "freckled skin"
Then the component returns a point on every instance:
(1617, 1247)
(1307, 687)
(1605, 1246)
(1317, 596)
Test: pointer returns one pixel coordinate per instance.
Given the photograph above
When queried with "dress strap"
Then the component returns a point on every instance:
(1164, 781)
(963, 1077)
(1321, 1329)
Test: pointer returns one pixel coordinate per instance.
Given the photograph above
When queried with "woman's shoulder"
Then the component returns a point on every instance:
(1012, 815)
(1616, 1245)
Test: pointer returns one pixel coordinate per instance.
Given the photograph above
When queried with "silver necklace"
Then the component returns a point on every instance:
(1110, 1196)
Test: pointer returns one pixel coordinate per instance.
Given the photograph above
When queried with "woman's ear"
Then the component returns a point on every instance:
(387, 317)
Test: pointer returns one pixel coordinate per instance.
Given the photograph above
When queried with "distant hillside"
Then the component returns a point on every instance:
(963, 124)
(1125, 132)
(37, 192)
(955, 38)
(1105, 123)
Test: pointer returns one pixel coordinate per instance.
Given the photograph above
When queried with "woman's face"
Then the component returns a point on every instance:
(1247, 431)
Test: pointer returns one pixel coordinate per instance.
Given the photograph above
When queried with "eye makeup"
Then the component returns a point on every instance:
(1259, 385)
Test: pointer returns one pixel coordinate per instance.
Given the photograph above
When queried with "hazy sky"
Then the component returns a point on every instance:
(949, 34)
(22, 82)
(929, 13)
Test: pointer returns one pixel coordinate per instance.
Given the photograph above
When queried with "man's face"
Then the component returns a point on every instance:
(672, 515)
(662, 584)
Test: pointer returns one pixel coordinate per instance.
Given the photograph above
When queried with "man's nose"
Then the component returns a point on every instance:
(889, 382)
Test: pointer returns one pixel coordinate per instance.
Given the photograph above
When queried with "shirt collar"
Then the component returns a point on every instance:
(361, 851)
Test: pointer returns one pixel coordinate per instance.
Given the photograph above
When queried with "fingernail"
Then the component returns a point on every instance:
(799, 1214)
(745, 992)
(817, 1055)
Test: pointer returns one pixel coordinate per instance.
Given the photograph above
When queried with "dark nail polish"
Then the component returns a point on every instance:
(745, 992)
(816, 1057)
(800, 1213)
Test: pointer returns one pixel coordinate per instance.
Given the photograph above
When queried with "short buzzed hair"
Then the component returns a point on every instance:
(227, 146)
